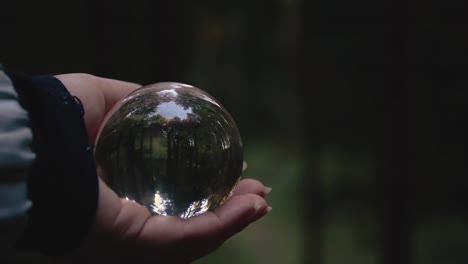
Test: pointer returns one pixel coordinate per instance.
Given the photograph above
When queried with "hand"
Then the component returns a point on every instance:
(124, 231)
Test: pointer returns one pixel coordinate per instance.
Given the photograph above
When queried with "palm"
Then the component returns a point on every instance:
(125, 231)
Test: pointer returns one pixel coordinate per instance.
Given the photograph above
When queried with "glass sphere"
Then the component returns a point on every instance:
(172, 148)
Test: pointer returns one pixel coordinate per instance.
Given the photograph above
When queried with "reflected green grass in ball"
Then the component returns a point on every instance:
(172, 148)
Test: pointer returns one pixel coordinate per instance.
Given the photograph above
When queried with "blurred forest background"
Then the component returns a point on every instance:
(353, 111)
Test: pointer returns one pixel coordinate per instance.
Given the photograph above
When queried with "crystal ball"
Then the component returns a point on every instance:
(172, 148)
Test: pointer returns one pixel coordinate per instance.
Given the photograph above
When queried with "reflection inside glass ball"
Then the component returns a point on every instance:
(172, 148)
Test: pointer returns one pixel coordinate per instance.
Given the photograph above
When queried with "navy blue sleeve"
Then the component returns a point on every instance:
(62, 182)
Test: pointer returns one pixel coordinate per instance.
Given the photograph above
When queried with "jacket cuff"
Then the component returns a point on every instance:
(62, 181)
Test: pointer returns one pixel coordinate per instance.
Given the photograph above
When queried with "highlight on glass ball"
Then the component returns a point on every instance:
(172, 148)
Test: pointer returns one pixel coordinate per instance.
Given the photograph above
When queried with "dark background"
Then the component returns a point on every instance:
(353, 111)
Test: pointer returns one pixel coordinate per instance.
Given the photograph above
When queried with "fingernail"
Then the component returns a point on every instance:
(244, 166)
(269, 208)
(258, 206)
(267, 190)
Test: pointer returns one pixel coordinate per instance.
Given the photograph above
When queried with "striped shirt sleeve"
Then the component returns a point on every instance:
(16, 155)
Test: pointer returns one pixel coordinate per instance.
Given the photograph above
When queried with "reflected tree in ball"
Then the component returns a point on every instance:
(172, 148)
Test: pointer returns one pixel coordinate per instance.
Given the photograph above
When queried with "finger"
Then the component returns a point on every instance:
(114, 90)
(204, 233)
(227, 220)
(197, 236)
(251, 186)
